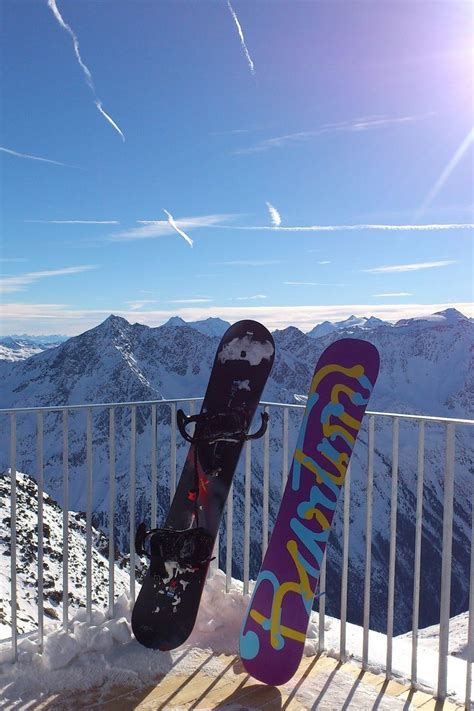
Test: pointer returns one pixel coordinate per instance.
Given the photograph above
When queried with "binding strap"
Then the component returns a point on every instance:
(222, 427)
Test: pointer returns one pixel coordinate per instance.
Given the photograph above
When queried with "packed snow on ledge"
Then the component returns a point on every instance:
(105, 654)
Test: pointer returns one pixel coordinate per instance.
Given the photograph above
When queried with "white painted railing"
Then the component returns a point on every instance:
(448, 423)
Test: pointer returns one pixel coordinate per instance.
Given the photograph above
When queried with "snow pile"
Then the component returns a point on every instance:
(458, 637)
(104, 653)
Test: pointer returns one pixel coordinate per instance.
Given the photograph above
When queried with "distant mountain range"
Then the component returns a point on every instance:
(426, 368)
(20, 347)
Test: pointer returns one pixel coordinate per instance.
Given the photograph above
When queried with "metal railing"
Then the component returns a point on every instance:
(449, 425)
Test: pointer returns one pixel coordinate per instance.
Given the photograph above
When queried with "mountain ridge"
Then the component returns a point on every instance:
(426, 368)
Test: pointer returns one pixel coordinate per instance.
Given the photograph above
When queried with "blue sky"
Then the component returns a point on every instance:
(353, 119)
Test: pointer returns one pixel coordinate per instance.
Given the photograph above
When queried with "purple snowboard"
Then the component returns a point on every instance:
(274, 629)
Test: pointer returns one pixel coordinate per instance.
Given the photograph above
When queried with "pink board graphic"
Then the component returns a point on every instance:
(274, 629)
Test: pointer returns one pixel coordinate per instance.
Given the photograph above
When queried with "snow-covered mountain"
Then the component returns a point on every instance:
(426, 368)
(27, 559)
(18, 348)
(51, 339)
(209, 326)
(348, 324)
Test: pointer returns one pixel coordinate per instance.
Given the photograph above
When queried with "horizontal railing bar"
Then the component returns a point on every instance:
(425, 418)
(60, 408)
(170, 401)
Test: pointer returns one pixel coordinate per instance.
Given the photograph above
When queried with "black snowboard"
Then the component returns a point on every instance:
(165, 610)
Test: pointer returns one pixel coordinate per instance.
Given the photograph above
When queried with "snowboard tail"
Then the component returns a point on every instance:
(274, 629)
(166, 607)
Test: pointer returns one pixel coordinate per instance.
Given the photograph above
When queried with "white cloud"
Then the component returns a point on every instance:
(242, 38)
(10, 284)
(34, 318)
(86, 71)
(395, 293)
(247, 263)
(354, 126)
(74, 222)
(30, 157)
(309, 283)
(198, 300)
(324, 262)
(139, 304)
(397, 268)
(251, 298)
(274, 215)
(173, 224)
(150, 229)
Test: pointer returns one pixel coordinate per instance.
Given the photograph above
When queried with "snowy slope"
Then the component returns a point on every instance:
(348, 324)
(13, 349)
(209, 326)
(27, 559)
(426, 368)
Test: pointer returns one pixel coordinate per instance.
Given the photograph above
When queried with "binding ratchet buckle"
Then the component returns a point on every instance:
(221, 427)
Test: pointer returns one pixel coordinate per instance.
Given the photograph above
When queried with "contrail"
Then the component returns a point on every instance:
(27, 155)
(351, 228)
(242, 38)
(109, 118)
(75, 41)
(75, 222)
(87, 73)
(274, 214)
(173, 224)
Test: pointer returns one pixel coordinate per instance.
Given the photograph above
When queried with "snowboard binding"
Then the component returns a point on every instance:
(190, 549)
(222, 427)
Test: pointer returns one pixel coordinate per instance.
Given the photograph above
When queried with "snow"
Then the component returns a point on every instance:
(458, 637)
(27, 558)
(247, 349)
(104, 653)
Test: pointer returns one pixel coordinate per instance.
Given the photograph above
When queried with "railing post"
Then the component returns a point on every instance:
(345, 563)
(13, 534)
(173, 452)
(284, 468)
(133, 445)
(470, 626)
(393, 545)
(65, 521)
(446, 564)
(248, 481)
(215, 555)
(40, 481)
(153, 468)
(368, 542)
(266, 485)
(111, 511)
(417, 562)
(89, 515)
(229, 525)
(322, 602)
